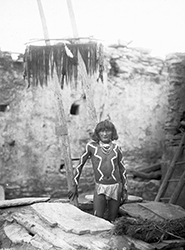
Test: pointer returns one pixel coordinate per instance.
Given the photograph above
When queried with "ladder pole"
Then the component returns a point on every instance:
(72, 18)
(168, 175)
(83, 72)
(178, 189)
(64, 130)
(44, 24)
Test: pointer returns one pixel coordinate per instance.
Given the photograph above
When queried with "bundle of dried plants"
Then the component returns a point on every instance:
(148, 230)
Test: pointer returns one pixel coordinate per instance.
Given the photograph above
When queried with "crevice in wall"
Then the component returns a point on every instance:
(62, 167)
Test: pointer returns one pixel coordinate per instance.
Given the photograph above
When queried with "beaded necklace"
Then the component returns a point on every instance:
(106, 147)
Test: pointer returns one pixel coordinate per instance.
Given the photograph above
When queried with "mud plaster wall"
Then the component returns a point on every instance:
(134, 96)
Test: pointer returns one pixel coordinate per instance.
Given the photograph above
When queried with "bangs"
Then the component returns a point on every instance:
(105, 125)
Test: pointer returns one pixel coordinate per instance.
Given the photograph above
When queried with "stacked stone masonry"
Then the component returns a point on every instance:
(134, 95)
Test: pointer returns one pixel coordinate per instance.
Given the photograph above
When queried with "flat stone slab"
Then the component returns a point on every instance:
(22, 201)
(157, 211)
(131, 198)
(165, 210)
(26, 227)
(71, 219)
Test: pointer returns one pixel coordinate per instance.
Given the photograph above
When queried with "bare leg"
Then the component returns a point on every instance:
(99, 204)
(113, 208)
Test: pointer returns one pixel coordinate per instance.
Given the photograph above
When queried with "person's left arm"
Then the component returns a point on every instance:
(123, 175)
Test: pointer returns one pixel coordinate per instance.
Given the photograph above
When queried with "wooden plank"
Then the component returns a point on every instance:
(152, 175)
(174, 180)
(148, 169)
(180, 162)
(22, 201)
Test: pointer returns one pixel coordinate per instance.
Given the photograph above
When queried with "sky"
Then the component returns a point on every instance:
(156, 25)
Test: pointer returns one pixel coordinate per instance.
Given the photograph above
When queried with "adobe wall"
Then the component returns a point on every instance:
(134, 96)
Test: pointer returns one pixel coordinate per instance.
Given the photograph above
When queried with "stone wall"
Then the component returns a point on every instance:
(176, 78)
(134, 96)
(138, 99)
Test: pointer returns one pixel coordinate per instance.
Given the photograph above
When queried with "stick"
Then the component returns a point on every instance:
(43, 20)
(63, 131)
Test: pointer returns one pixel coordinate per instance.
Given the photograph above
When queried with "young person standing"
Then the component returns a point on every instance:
(109, 171)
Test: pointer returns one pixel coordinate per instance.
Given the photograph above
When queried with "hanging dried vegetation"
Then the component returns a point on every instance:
(40, 62)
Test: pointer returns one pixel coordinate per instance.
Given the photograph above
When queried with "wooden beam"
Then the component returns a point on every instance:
(44, 24)
(87, 83)
(72, 18)
(152, 175)
(62, 129)
(62, 132)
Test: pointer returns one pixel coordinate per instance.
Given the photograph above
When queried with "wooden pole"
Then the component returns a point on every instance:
(44, 24)
(178, 189)
(72, 18)
(62, 130)
(171, 168)
(87, 82)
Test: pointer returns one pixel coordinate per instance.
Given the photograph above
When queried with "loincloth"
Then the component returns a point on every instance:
(111, 191)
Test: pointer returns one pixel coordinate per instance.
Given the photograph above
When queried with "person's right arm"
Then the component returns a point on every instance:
(81, 163)
(74, 191)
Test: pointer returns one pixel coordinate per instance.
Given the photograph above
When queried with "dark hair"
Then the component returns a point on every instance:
(102, 126)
